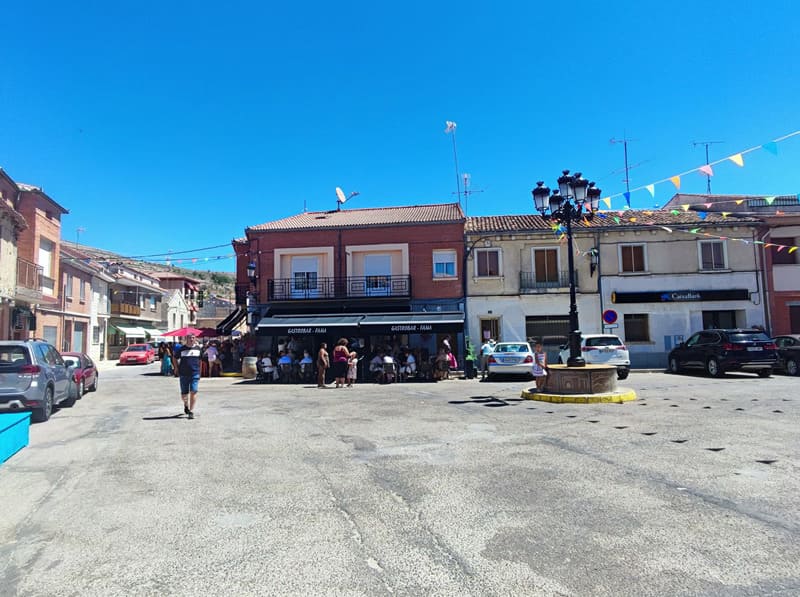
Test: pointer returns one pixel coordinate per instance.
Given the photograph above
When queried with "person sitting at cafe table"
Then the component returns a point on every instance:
(376, 367)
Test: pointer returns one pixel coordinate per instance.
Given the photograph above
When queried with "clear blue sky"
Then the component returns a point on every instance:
(174, 125)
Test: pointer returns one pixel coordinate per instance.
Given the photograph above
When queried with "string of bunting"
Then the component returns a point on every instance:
(706, 169)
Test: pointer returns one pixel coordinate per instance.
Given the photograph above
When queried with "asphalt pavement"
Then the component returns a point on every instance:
(454, 488)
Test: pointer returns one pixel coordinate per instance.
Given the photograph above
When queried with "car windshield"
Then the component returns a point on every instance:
(604, 341)
(13, 355)
(511, 348)
(136, 348)
(749, 337)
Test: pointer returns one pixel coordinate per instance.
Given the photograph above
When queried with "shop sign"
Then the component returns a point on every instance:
(681, 296)
(307, 331)
(418, 328)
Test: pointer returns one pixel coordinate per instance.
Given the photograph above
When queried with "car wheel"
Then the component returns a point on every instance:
(93, 387)
(791, 367)
(41, 414)
(673, 365)
(622, 373)
(764, 372)
(713, 368)
(81, 389)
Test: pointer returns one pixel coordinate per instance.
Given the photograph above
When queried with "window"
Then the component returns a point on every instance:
(152, 303)
(68, 287)
(50, 333)
(784, 257)
(632, 258)
(82, 290)
(46, 249)
(637, 327)
(794, 319)
(444, 264)
(545, 264)
(719, 319)
(487, 263)
(712, 254)
(95, 334)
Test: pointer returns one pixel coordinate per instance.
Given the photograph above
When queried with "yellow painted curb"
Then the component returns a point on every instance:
(231, 374)
(622, 395)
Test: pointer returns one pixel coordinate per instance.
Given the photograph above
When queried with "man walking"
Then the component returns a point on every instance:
(187, 367)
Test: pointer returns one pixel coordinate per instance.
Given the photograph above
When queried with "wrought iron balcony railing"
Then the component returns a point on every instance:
(313, 288)
(531, 282)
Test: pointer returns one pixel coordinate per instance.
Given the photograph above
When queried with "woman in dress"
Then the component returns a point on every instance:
(340, 357)
(539, 366)
(352, 369)
(166, 359)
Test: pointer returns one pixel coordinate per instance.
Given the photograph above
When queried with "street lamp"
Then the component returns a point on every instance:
(575, 198)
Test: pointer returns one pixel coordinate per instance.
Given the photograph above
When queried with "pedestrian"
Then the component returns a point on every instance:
(487, 348)
(214, 364)
(187, 367)
(166, 360)
(539, 366)
(352, 369)
(340, 357)
(323, 362)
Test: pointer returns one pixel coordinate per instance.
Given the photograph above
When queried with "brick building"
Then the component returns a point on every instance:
(377, 276)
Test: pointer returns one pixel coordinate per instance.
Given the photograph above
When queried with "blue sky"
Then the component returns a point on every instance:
(168, 126)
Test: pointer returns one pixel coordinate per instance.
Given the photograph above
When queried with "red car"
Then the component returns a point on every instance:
(137, 354)
(84, 374)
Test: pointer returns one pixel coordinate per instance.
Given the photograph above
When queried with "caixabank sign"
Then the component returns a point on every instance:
(680, 296)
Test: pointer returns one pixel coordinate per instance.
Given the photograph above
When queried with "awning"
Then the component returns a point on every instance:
(413, 323)
(307, 325)
(153, 332)
(131, 332)
(225, 327)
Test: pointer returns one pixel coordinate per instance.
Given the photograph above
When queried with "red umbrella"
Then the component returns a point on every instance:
(180, 332)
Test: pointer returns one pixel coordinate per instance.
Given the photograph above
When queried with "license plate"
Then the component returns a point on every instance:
(606, 349)
(754, 348)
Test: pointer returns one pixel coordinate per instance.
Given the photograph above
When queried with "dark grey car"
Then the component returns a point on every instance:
(34, 377)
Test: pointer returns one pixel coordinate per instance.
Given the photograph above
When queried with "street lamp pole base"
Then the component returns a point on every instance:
(576, 362)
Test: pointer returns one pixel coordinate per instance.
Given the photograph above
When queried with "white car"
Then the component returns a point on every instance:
(602, 349)
(511, 357)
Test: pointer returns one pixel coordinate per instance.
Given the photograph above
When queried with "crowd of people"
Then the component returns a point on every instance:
(217, 357)
(388, 364)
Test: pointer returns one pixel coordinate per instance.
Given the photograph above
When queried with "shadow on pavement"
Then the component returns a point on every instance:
(489, 401)
(166, 418)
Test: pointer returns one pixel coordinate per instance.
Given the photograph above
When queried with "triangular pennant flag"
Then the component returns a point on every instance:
(674, 212)
(607, 201)
(676, 180)
(685, 207)
(771, 147)
(793, 249)
(769, 200)
(651, 189)
(739, 201)
(693, 230)
(778, 212)
(707, 170)
(616, 219)
(667, 229)
(702, 215)
(725, 214)
(627, 198)
(737, 159)
(631, 219)
(781, 248)
(708, 205)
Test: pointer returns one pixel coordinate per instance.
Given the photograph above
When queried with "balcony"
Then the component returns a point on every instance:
(126, 309)
(29, 280)
(530, 283)
(360, 287)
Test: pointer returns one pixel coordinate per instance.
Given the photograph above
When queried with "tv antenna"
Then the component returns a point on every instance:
(78, 231)
(467, 178)
(707, 143)
(450, 127)
(628, 168)
(341, 197)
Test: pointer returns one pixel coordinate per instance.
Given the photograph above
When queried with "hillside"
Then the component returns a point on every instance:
(220, 284)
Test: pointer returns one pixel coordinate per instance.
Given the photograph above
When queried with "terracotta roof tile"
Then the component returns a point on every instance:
(378, 216)
(627, 218)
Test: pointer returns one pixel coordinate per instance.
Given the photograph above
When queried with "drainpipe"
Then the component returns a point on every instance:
(761, 269)
(599, 271)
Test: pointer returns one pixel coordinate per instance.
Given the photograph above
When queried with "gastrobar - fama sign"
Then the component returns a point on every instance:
(681, 296)
(307, 331)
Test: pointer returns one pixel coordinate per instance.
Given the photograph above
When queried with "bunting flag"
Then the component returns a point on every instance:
(771, 147)
(769, 200)
(737, 159)
(652, 189)
(685, 207)
(627, 196)
(676, 180)
(707, 170)
(607, 201)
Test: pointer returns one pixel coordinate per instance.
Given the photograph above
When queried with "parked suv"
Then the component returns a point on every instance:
(602, 349)
(718, 351)
(33, 376)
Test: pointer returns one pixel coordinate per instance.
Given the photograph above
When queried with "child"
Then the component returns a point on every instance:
(352, 366)
(539, 366)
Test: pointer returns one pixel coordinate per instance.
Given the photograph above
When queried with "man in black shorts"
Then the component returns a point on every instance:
(187, 367)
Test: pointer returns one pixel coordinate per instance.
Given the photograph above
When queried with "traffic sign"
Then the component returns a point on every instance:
(610, 316)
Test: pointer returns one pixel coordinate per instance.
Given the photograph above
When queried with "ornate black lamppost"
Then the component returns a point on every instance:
(575, 198)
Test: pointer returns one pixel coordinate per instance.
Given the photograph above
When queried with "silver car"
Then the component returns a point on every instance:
(511, 357)
(34, 377)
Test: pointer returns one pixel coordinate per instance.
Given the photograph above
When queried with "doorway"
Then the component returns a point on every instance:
(490, 328)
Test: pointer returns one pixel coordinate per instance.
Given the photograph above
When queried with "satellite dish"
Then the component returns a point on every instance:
(340, 195)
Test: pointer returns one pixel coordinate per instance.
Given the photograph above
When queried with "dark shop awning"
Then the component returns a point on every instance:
(413, 323)
(307, 325)
(225, 327)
